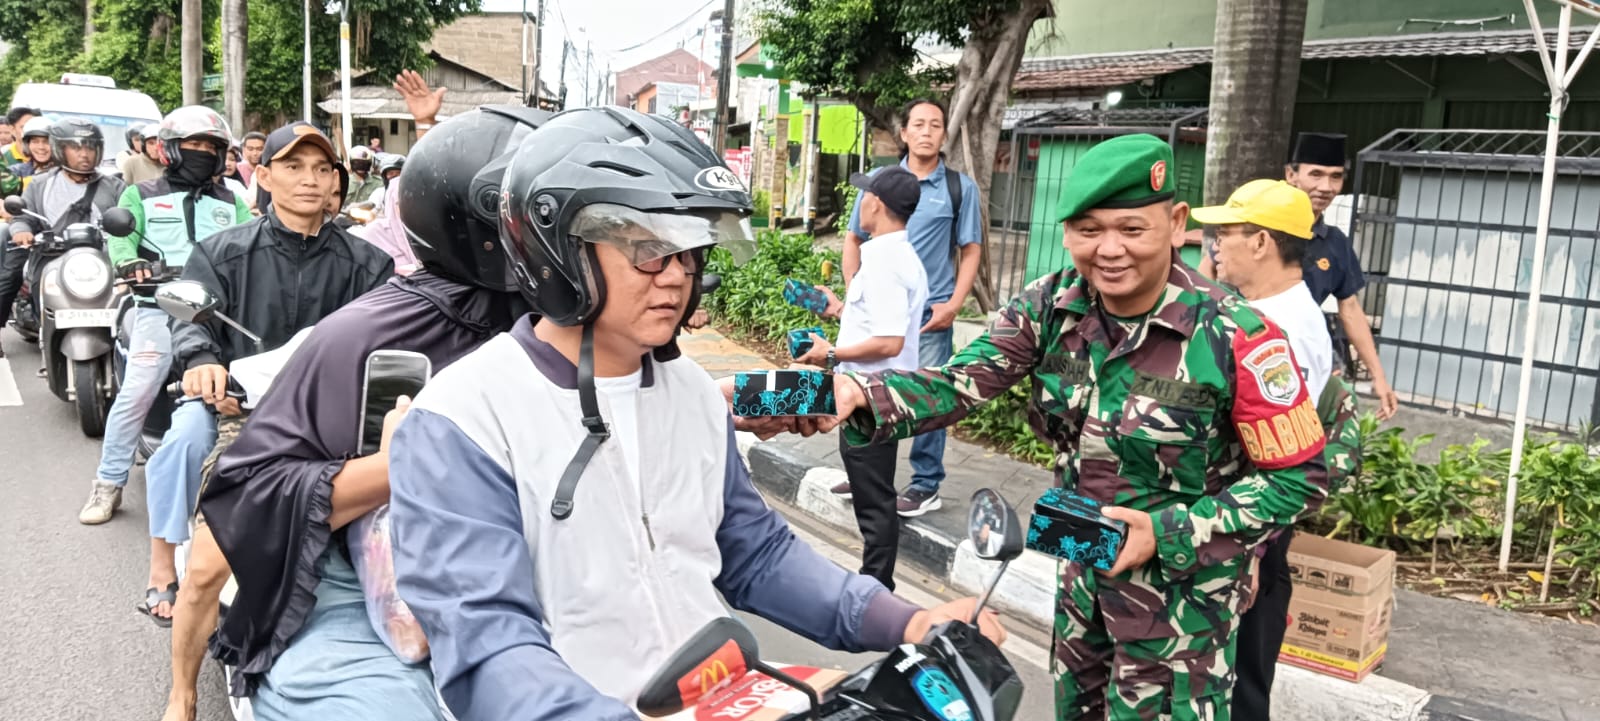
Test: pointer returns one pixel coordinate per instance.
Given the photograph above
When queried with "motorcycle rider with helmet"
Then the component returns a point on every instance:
(171, 213)
(276, 507)
(71, 191)
(145, 162)
(135, 139)
(36, 141)
(275, 275)
(522, 560)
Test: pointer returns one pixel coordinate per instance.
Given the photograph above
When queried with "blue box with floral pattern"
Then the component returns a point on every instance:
(783, 393)
(800, 341)
(805, 296)
(1071, 527)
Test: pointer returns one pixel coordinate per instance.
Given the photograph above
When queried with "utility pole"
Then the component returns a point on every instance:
(538, 56)
(305, 78)
(561, 82)
(192, 51)
(719, 128)
(588, 60)
(344, 75)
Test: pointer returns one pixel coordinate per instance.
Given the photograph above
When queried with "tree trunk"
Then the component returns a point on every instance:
(235, 61)
(989, 61)
(88, 26)
(1255, 72)
(192, 51)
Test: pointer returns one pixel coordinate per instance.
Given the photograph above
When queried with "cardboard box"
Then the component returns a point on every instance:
(759, 698)
(1342, 608)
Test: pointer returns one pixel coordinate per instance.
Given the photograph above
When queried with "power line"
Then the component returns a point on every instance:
(673, 28)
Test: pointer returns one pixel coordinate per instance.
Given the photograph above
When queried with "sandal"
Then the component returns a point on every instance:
(153, 598)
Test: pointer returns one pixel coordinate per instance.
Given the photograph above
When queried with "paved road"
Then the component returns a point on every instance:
(74, 646)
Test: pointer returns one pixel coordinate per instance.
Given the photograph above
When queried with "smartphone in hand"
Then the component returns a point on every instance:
(389, 375)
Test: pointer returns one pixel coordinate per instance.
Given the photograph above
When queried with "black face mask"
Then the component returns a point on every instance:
(194, 168)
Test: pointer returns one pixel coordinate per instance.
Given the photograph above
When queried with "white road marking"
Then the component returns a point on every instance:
(1016, 647)
(9, 395)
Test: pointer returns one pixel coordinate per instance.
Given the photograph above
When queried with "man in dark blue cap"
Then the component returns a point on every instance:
(880, 325)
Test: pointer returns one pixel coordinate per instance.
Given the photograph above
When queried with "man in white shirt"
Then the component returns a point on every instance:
(1261, 239)
(1262, 234)
(880, 324)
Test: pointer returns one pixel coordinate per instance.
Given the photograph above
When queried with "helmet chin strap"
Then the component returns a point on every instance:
(561, 507)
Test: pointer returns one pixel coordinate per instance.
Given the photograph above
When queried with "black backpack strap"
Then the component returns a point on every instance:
(80, 210)
(952, 183)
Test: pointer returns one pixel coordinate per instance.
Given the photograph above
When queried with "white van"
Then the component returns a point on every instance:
(94, 98)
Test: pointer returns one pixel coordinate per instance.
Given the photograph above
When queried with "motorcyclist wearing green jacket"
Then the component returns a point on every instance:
(187, 204)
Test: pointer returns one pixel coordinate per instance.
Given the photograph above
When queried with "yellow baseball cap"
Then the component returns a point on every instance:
(1271, 204)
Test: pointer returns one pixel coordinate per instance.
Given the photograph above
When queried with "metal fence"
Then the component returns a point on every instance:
(1444, 225)
(1024, 238)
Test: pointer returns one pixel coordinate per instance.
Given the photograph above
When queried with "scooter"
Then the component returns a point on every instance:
(955, 674)
(78, 299)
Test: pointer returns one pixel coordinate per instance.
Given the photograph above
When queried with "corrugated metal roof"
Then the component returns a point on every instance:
(374, 100)
(1111, 69)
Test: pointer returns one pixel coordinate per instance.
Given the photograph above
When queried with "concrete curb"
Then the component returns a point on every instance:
(1028, 592)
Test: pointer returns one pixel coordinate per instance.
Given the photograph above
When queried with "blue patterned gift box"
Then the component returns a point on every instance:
(783, 393)
(800, 341)
(1070, 527)
(805, 296)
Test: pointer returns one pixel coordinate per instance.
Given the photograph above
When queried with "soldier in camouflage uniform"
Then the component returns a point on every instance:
(1166, 398)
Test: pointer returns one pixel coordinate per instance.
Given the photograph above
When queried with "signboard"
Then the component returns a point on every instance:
(739, 161)
(211, 83)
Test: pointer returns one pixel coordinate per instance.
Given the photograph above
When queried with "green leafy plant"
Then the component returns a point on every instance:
(751, 297)
(1004, 423)
(849, 193)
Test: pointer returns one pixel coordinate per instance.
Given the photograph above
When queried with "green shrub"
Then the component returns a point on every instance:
(847, 205)
(751, 297)
(1004, 423)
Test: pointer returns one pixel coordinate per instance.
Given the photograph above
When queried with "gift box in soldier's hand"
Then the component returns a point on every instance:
(783, 393)
(1071, 527)
(805, 296)
(800, 341)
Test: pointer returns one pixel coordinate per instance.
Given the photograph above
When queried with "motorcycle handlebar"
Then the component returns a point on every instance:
(235, 391)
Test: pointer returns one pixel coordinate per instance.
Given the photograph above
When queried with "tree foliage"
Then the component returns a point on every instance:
(136, 42)
(865, 50)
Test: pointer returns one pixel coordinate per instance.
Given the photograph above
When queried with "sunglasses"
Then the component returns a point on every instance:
(689, 259)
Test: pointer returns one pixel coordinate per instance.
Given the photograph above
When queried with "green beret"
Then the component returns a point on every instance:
(1130, 171)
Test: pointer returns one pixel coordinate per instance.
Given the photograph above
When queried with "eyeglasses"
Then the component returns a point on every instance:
(689, 259)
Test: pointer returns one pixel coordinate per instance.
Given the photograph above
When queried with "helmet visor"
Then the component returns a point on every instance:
(648, 236)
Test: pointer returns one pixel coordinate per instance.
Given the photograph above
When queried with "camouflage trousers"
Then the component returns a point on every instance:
(1141, 648)
(228, 428)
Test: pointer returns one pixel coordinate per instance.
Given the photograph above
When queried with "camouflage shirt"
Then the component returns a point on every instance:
(1197, 416)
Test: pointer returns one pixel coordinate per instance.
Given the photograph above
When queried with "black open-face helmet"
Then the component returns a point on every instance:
(75, 131)
(638, 183)
(609, 175)
(449, 199)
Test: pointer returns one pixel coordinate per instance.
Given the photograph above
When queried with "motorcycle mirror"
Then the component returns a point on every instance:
(15, 205)
(718, 655)
(709, 283)
(992, 527)
(186, 300)
(118, 222)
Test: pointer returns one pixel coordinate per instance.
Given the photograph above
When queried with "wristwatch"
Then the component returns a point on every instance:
(832, 360)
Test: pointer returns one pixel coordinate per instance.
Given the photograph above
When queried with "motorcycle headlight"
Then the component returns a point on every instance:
(85, 275)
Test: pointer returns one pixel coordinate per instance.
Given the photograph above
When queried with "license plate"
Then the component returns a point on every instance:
(86, 317)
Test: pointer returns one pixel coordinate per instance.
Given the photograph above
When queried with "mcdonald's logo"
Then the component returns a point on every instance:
(712, 674)
(718, 670)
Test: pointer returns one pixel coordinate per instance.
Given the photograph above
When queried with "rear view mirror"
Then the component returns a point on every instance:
(118, 222)
(993, 528)
(15, 205)
(720, 654)
(186, 300)
(709, 283)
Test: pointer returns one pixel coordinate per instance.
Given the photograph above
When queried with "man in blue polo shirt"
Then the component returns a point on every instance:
(947, 232)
